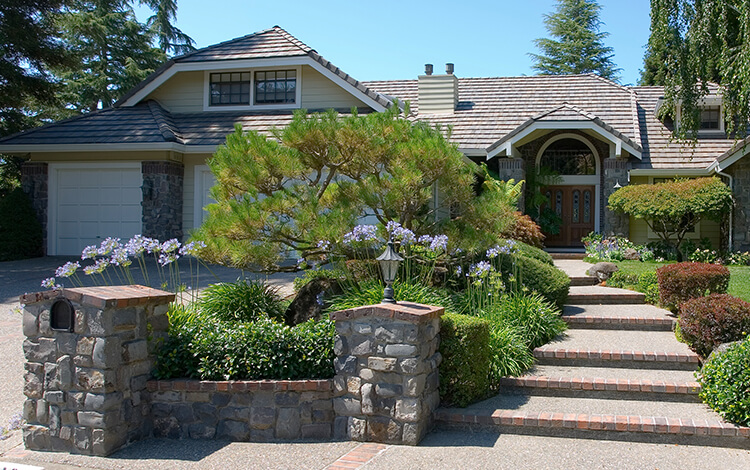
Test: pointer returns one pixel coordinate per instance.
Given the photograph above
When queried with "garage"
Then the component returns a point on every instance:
(88, 203)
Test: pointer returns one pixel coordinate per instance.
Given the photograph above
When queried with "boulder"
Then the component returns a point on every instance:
(602, 271)
(310, 300)
(631, 254)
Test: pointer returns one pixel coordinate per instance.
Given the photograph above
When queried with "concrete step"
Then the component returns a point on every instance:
(576, 281)
(577, 255)
(618, 317)
(588, 295)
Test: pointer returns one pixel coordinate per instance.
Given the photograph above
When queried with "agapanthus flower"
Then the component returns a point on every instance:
(493, 252)
(151, 245)
(480, 269)
(16, 421)
(137, 244)
(424, 239)
(439, 243)
(121, 257)
(166, 258)
(459, 270)
(192, 248)
(404, 235)
(324, 245)
(49, 283)
(90, 252)
(67, 269)
(96, 268)
(108, 245)
(361, 233)
(170, 246)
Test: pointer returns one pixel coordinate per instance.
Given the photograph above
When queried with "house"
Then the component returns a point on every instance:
(140, 166)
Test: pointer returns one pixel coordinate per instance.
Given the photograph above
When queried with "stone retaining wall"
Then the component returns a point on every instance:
(245, 410)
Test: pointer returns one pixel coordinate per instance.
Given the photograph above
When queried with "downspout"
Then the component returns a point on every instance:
(731, 209)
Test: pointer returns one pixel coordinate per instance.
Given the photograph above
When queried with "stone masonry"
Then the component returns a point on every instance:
(740, 172)
(242, 410)
(615, 171)
(386, 372)
(34, 182)
(86, 389)
(162, 199)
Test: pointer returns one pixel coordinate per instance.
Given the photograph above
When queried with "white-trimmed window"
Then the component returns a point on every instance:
(230, 89)
(275, 87)
(711, 118)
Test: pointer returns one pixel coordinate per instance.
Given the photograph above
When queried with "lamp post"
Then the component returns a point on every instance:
(389, 262)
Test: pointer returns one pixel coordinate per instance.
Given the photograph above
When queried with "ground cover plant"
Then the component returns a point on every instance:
(725, 382)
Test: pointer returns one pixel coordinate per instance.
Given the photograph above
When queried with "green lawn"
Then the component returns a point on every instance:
(739, 281)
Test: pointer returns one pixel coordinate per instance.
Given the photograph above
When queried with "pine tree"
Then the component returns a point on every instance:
(170, 38)
(114, 52)
(696, 42)
(578, 44)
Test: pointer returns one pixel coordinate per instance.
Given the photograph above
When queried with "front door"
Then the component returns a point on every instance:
(575, 206)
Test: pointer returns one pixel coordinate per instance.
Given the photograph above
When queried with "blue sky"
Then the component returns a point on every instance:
(389, 39)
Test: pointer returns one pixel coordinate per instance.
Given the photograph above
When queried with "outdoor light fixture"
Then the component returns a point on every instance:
(617, 184)
(389, 262)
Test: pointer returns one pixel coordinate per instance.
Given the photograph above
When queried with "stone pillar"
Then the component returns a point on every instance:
(34, 182)
(386, 372)
(615, 171)
(740, 172)
(86, 388)
(513, 168)
(162, 199)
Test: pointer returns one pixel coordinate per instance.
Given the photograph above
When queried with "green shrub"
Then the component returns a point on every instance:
(464, 371)
(706, 322)
(371, 292)
(534, 252)
(20, 230)
(535, 320)
(649, 285)
(214, 350)
(241, 301)
(622, 279)
(314, 274)
(681, 282)
(536, 276)
(725, 383)
(510, 355)
(174, 356)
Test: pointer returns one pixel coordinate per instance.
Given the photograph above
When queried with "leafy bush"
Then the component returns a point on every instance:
(681, 282)
(536, 276)
(20, 231)
(707, 322)
(371, 292)
(534, 252)
(465, 347)
(725, 383)
(208, 349)
(241, 301)
(525, 230)
(649, 285)
(510, 354)
(536, 321)
(174, 355)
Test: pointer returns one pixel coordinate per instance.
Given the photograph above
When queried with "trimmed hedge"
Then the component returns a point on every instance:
(464, 371)
(725, 383)
(707, 322)
(20, 231)
(681, 282)
(537, 276)
(534, 252)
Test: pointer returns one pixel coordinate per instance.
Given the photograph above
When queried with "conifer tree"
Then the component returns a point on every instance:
(170, 38)
(576, 44)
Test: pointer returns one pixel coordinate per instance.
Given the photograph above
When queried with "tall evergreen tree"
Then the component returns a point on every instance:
(692, 43)
(576, 45)
(114, 52)
(29, 47)
(171, 39)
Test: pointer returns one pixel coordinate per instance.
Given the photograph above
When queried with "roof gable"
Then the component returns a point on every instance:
(273, 42)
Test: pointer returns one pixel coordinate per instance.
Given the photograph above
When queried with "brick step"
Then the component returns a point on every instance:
(576, 281)
(617, 322)
(669, 360)
(586, 298)
(643, 428)
(566, 255)
(604, 388)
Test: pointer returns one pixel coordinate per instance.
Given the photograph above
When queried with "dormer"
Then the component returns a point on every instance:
(711, 116)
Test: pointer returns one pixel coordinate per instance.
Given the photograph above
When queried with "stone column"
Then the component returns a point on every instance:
(34, 182)
(386, 372)
(162, 199)
(740, 172)
(86, 388)
(615, 171)
(512, 168)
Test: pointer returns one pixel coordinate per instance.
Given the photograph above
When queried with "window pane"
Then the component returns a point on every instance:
(229, 88)
(587, 206)
(275, 87)
(558, 203)
(569, 157)
(576, 206)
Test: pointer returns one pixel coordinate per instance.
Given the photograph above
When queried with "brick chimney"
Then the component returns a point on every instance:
(438, 94)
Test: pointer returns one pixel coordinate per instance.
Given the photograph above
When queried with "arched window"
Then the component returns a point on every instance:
(569, 157)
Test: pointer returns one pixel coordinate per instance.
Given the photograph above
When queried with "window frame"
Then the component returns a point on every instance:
(252, 106)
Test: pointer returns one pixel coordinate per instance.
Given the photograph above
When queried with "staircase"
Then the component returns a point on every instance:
(618, 373)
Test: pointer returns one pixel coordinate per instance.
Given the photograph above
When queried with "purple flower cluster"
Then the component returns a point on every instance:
(481, 269)
(399, 233)
(361, 233)
(67, 269)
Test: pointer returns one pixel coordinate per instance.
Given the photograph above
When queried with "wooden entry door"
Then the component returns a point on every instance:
(575, 205)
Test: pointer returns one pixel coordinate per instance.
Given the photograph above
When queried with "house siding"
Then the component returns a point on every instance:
(183, 93)
(318, 92)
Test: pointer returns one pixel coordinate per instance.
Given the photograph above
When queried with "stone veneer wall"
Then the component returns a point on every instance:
(512, 168)
(86, 389)
(251, 410)
(162, 199)
(740, 172)
(615, 171)
(387, 370)
(34, 182)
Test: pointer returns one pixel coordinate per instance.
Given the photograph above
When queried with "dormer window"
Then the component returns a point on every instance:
(229, 89)
(711, 118)
(276, 87)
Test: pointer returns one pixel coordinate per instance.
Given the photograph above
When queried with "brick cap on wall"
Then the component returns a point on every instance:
(103, 297)
(404, 311)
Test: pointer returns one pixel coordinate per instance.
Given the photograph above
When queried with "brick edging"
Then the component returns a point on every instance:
(239, 385)
(640, 356)
(600, 384)
(593, 319)
(586, 422)
(357, 457)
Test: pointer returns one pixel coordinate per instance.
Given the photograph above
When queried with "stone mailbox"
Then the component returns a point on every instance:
(88, 358)
(386, 372)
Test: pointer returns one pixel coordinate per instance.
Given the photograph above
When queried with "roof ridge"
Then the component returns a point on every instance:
(222, 43)
(169, 131)
(611, 82)
(294, 40)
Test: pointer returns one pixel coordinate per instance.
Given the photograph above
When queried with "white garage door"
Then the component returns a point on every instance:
(93, 204)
